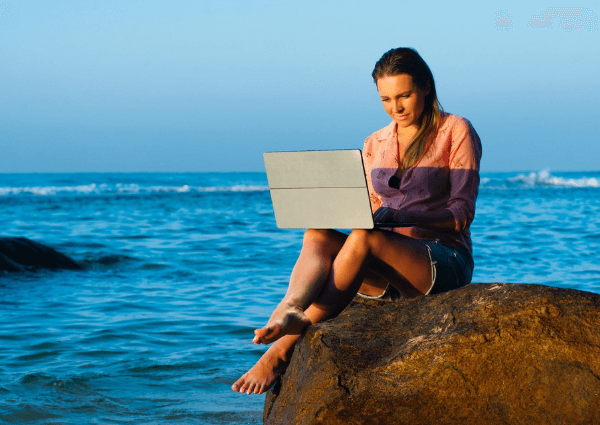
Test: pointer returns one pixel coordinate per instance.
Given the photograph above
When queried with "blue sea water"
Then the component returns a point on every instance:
(179, 270)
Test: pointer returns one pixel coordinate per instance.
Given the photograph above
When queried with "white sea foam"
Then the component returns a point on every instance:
(235, 188)
(119, 188)
(544, 178)
(489, 182)
(50, 190)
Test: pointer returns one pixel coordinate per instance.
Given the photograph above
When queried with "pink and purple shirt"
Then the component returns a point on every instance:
(446, 177)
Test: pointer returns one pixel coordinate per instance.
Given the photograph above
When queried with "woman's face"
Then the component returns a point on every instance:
(402, 100)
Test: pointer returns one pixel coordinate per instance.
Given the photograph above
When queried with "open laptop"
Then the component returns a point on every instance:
(320, 190)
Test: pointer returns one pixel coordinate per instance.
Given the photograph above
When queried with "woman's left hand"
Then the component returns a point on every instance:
(390, 215)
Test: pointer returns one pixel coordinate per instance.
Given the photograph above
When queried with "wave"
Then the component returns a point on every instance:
(543, 178)
(497, 181)
(117, 189)
(540, 179)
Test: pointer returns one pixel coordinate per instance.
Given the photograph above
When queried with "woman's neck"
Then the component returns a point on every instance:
(404, 140)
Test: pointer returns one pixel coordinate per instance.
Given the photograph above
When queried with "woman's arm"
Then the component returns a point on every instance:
(465, 156)
(441, 219)
(458, 213)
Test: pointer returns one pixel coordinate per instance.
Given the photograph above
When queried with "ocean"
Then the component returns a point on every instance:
(180, 268)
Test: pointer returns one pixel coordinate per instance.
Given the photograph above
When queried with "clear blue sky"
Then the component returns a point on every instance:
(113, 85)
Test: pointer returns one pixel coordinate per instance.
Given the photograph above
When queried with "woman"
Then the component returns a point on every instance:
(422, 168)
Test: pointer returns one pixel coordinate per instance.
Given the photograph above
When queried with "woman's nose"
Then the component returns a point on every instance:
(397, 107)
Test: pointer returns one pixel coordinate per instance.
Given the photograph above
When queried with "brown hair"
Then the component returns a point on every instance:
(405, 60)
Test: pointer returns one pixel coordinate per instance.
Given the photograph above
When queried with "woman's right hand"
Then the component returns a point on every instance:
(390, 215)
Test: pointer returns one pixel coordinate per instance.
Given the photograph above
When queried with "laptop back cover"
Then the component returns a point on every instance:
(319, 189)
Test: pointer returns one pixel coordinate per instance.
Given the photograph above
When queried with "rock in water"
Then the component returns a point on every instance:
(18, 254)
(483, 354)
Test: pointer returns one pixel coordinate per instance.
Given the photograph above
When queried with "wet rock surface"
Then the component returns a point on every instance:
(483, 354)
(20, 254)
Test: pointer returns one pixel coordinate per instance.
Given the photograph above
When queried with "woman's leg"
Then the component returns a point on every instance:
(400, 260)
(319, 249)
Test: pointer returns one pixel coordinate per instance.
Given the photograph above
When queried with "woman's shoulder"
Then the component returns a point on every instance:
(452, 121)
(456, 127)
(455, 130)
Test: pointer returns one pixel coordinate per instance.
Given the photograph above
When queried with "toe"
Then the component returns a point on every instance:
(251, 388)
(238, 384)
(268, 334)
(262, 332)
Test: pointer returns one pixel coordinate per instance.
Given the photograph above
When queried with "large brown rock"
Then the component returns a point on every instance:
(483, 354)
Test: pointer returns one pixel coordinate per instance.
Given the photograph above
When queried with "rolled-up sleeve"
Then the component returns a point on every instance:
(465, 156)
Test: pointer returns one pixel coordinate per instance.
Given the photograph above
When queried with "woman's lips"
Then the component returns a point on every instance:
(401, 117)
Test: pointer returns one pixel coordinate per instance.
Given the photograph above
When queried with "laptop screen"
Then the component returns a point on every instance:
(319, 189)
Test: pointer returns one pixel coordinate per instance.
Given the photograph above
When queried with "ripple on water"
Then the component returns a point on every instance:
(38, 356)
(74, 385)
(27, 413)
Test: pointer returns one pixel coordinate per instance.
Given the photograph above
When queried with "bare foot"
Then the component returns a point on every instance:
(265, 372)
(285, 320)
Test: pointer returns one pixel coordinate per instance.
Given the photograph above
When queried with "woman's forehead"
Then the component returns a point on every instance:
(399, 82)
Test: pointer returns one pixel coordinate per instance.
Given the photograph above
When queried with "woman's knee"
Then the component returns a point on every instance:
(367, 234)
(362, 238)
(370, 241)
(317, 235)
(323, 237)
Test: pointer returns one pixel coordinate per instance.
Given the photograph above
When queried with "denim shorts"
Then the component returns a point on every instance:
(451, 268)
